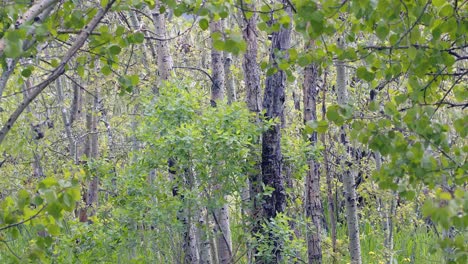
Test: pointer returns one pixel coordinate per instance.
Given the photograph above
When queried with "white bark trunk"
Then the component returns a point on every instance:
(164, 57)
(217, 65)
(224, 241)
(65, 119)
(349, 172)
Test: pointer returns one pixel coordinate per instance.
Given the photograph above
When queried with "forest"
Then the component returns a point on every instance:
(234, 131)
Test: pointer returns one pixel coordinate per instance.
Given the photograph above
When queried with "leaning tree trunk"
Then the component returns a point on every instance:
(349, 181)
(313, 203)
(273, 103)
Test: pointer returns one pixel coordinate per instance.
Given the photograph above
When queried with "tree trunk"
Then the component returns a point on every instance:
(273, 103)
(190, 240)
(251, 72)
(164, 57)
(91, 151)
(349, 176)
(205, 238)
(65, 119)
(37, 134)
(217, 65)
(328, 175)
(221, 215)
(224, 241)
(229, 78)
(313, 203)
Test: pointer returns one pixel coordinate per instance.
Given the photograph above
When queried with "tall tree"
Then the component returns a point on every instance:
(217, 65)
(251, 73)
(164, 57)
(313, 202)
(273, 103)
(349, 176)
(221, 215)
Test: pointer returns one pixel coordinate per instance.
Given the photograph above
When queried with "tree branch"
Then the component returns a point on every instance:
(80, 40)
(25, 220)
(28, 16)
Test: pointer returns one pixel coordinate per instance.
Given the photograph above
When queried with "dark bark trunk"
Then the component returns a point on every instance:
(273, 103)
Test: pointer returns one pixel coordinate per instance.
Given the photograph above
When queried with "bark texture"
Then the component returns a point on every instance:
(224, 241)
(164, 58)
(349, 176)
(217, 65)
(251, 72)
(328, 175)
(273, 104)
(312, 186)
(65, 119)
(31, 14)
(229, 78)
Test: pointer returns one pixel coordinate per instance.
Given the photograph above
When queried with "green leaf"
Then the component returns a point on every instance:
(139, 37)
(446, 11)
(55, 210)
(114, 49)
(26, 72)
(218, 44)
(439, 3)
(382, 30)
(134, 79)
(106, 70)
(104, 3)
(13, 48)
(334, 116)
(317, 126)
(203, 23)
(48, 182)
(364, 74)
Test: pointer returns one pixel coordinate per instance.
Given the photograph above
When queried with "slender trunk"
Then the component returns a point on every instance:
(37, 134)
(229, 78)
(189, 244)
(224, 241)
(91, 152)
(76, 107)
(313, 203)
(273, 103)
(164, 58)
(66, 122)
(349, 176)
(217, 65)
(251, 72)
(205, 238)
(221, 215)
(328, 175)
